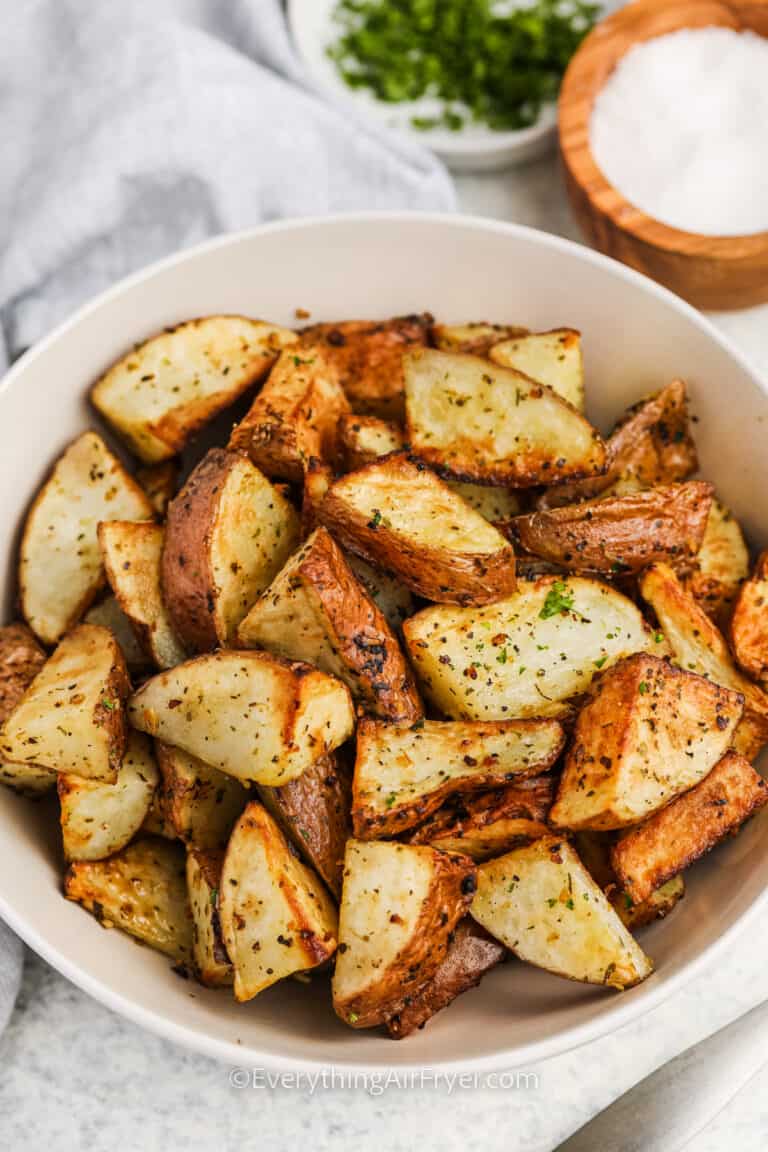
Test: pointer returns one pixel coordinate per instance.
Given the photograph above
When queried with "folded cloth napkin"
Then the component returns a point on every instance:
(131, 129)
(135, 128)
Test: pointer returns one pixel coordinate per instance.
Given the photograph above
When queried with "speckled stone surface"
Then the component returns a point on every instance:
(74, 1076)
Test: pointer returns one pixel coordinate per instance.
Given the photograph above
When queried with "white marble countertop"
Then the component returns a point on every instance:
(76, 1076)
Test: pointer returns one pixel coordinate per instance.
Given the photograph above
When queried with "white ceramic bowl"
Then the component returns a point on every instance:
(475, 148)
(637, 336)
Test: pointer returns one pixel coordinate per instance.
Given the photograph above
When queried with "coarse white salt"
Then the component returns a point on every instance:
(681, 130)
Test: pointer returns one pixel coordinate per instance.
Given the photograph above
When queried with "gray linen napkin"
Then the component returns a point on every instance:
(132, 128)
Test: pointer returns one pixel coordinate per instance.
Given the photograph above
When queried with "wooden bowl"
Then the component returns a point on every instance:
(717, 272)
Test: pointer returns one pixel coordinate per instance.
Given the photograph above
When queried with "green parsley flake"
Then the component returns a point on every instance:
(559, 601)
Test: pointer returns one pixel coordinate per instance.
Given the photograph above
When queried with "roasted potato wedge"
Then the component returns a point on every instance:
(276, 916)
(552, 358)
(160, 482)
(72, 716)
(166, 389)
(316, 610)
(649, 732)
(476, 338)
(527, 655)
(295, 416)
(475, 421)
(647, 856)
(107, 613)
(98, 819)
(21, 658)
(399, 906)
(368, 356)
(141, 890)
(699, 647)
(211, 960)
(619, 534)
(132, 555)
(398, 514)
(749, 623)
(650, 445)
(228, 534)
(542, 903)
(313, 811)
(492, 823)
(594, 849)
(721, 565)
(393, 598)
(156, 822)
(366, 438)
(404, 773)
(201, 803)
(471, 953)
(657, 907)
(60, 569)
(248, 713)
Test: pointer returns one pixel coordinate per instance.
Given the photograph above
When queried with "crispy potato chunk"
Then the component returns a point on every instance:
(368, 356)
(398, 514)
(698, 646)
(107, 613)
(621, 533)
(647, 856)
(721, 566)
(649, 732)
(650, 445)
(594, 849)
(166, 389)
(313, 811)
(552, 358)
(528, 655)
(132, 556)
(141, 890)
(160, 482)
(315, 610)
(476, 338)
(749, 622)
(471, 953)
(211, 960)
(21, 658)
(250, 714)
(657, 907)
(399, 906)
(543, 904)
(403, 774)
(201, 803)
(295, 416)
(492, 823)
(366, 438)
(60, 569)
(229, 532)
(276, 916)
(98, 819)
(72, 716)
(474, 421)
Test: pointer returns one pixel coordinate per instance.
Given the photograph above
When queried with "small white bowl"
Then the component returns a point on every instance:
(637, 336)
(474, 148)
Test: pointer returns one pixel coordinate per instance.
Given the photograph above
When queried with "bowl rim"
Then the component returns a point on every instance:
(626, 1009)
(583, 80)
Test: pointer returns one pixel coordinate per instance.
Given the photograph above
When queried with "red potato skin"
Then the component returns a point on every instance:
(471, 953)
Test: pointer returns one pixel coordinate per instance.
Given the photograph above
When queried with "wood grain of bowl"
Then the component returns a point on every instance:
(712, 272)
